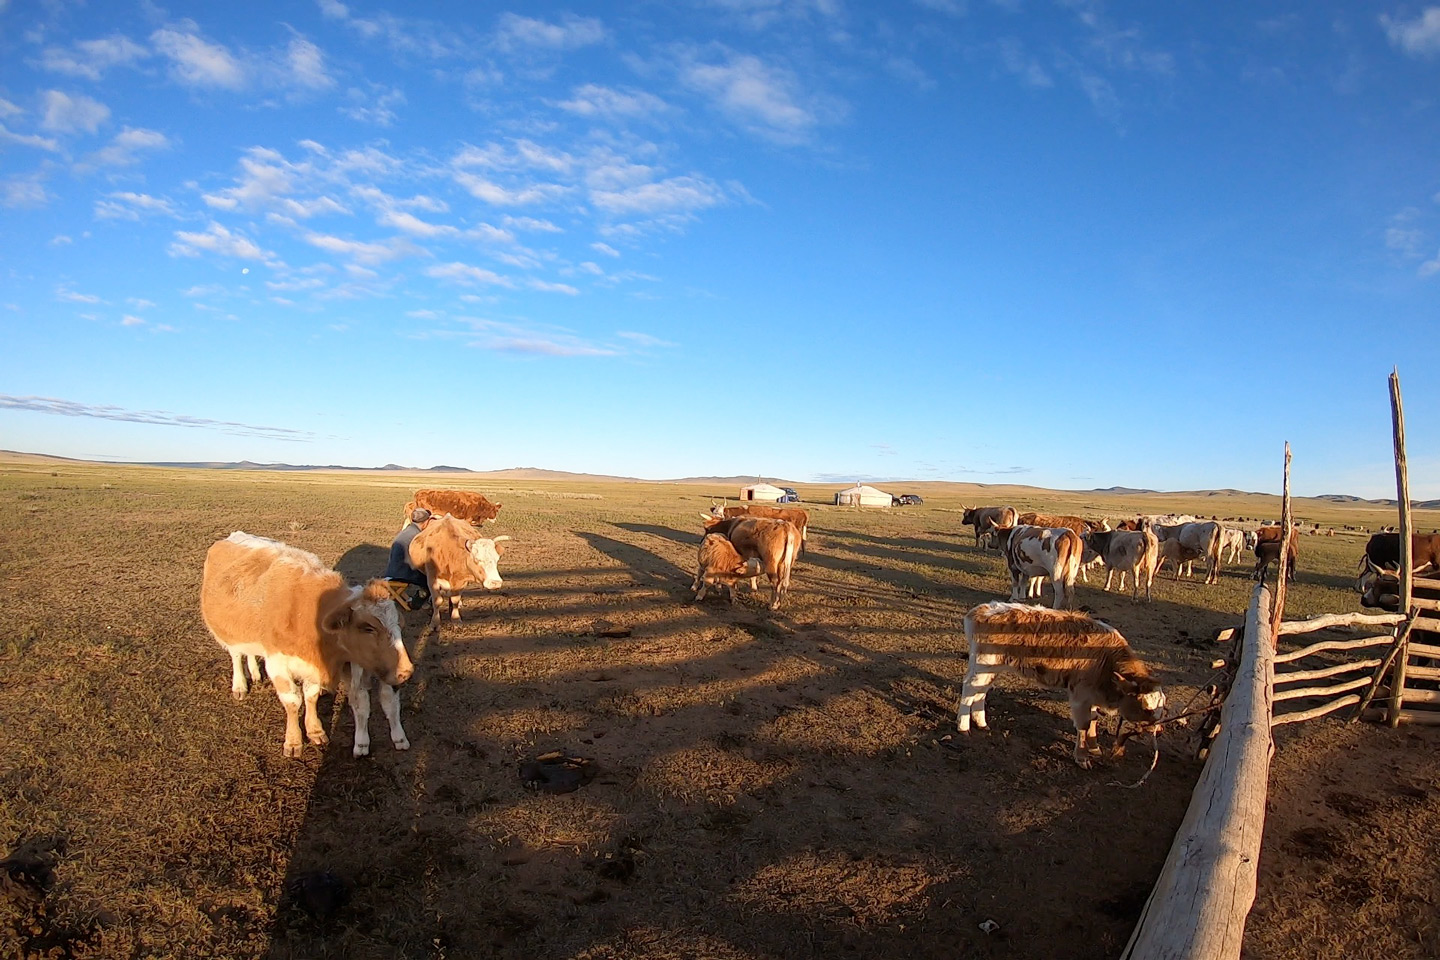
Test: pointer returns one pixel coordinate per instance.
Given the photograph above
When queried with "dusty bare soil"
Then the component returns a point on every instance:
(764, 785)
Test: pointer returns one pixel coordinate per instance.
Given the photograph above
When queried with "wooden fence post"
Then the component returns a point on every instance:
(1286, 532)
(1205, 891)
(1407, 562)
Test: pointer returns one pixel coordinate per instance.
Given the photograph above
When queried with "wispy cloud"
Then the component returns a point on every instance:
(64, 113)
(196, 62)
(124, 150)
(467, 275)
(1419, 37)
(594, 100)
(125, 205)
(569, 33)
(91, 58)
(677, 194)
(765, 99)
(69, 408)
(70, 296)
(28, 139)
(218, 240)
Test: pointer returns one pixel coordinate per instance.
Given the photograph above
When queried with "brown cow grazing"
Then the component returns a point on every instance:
(774, 542)
(1058, 649)
(720, 566)
(796, 515)
(1034, 554)
(986, 519)
(1267, 550)
(263, 598)
(1079, 524)
(452, 555)
(468, 506)
(1135, 552)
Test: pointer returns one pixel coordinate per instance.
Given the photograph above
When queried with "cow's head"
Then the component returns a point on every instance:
(968, 516)
(484, 554)
(1142, 700)
(710, 520)
(716, 510)
(365, 627)
(1000, 536)
(1378, 587)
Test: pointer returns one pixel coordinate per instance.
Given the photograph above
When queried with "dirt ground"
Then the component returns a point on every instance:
(765, 784)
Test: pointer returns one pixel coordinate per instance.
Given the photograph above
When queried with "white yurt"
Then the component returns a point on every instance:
(761, 491)
(862, 495)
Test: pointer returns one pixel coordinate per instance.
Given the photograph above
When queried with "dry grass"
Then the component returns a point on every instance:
(768, 785)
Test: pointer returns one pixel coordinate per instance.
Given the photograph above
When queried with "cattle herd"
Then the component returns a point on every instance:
(266, 601)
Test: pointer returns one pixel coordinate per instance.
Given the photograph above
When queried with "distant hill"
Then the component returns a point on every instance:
(1122, 490)
(291, 467)
(739, 481)
(1392, 502)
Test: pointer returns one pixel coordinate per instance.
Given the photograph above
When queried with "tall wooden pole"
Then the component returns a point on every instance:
(1407, 562)
(1286, 532)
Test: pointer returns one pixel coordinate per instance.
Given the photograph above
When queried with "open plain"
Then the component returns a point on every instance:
(765, 785)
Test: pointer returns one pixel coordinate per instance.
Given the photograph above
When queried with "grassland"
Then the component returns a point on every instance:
(768, 784)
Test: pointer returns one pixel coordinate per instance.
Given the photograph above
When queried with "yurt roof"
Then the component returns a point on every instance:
(763, 486)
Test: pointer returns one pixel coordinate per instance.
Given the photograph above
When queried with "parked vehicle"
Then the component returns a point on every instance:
(906, 500)
(790, 496)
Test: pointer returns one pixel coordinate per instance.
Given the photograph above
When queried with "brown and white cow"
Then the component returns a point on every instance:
(1060, 649)
(1133, 552)
(1035, 554)
(452, 554)
(721, 566)
(986, 519)
(1267, 550)
(464, 504)
(263, 598)
(796, 515)
(773, 541)
(1382, 552)
(1182, 544)
(1079, 524)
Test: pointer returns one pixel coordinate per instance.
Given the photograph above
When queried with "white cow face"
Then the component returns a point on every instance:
(485, 560)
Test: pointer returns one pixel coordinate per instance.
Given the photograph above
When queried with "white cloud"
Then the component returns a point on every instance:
(69, 408)
(644, 339)
(546, 286)
(1430, 267)
(8, 109)
(305, 65)
(423, 314)
(267, 181)
(593, 100)
(517, 32)
(91, 58)
(1419, 37)
(677, 194)
(493, 193)
(375, 107)
(123, 149)
(195, 62)
(28, 140)
(591, 268)
(413, 225)
(130, 320)
(140, 303)
(363, 251)
(67, 114)
(70, 296)
(530, 224)
(604, 248)
(763, 99)
(131, 206)
(217, 239)
(203, 290)
(61, 240)
(467, 275)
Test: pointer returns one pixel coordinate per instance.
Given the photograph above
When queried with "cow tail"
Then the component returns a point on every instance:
(792, 549)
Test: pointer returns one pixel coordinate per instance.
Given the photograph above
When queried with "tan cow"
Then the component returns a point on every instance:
(1035, 554)
(1135, 552)
(1059, 649)
(774, 542)
(1079, 524)
(452, 555)
(796, 515)
(468, 506)
(263, 598)
(721, 566)
(986, 519)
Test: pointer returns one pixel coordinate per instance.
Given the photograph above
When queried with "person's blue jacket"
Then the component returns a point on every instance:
(399, 566)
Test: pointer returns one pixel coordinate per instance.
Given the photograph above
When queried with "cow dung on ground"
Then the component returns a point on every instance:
(555, 772)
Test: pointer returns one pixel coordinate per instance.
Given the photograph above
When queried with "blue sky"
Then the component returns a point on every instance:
(1071, 243)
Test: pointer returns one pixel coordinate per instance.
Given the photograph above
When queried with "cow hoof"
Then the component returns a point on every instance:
(360, 750)
(454, 614)
(1083, 761)
(238, 695)
(318, 737)
(295, 750)
(402, 744)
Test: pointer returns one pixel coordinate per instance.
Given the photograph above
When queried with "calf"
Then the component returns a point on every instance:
(1059, 649)
(772, 541)
(986, 519)
(263, 598)
(1232, 543)
(1182, 544)
(796, 515)
(721, 566)
(1267, 550)
(1135, 552)
(452, 555)
(464, 504)
(1033, 554)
